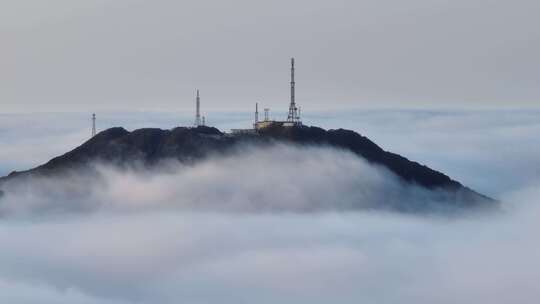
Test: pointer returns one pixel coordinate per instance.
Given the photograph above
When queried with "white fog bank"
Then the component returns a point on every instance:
(246, 229)
(276, 178)
(345, 257)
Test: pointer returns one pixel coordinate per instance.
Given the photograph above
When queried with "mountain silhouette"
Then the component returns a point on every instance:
(149, 146)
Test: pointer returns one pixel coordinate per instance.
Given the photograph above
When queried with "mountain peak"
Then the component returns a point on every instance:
(119, 147)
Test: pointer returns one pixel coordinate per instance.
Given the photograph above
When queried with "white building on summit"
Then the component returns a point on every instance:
(293, 118)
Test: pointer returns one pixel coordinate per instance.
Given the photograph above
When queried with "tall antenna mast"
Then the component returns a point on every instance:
(293, 116)
(93, 124)
(256, 112)
(198, 110)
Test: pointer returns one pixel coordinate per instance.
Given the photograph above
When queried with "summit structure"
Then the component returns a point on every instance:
(293, 116)
(198, 121)
(93, 124)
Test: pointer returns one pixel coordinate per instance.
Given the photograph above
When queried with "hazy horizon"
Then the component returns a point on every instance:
(482, 149)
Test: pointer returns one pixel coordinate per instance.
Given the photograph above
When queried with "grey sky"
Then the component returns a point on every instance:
(92, 55)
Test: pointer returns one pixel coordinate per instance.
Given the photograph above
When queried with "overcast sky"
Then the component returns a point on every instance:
(92, 55)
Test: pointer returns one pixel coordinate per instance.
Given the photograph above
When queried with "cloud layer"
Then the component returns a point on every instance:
(170, 257)
(277, 178)
(248, 229)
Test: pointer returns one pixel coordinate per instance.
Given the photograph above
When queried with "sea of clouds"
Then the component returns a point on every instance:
(274, 225)
(274, 178)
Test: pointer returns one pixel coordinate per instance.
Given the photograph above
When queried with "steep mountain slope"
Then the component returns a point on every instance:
(149, 146)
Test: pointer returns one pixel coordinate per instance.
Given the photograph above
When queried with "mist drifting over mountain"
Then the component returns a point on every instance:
(433, 200)
(242, 228)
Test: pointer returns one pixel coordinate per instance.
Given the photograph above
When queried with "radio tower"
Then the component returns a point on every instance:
(198, 110)
(293, 111)
(93, 124)
(256, 113)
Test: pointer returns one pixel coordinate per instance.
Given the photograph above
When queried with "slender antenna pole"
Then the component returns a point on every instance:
(293, 116)
(93, 124)
(256, 112)
(197, 110)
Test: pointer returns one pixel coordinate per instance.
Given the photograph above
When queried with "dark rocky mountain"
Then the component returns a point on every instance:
(150, 146)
